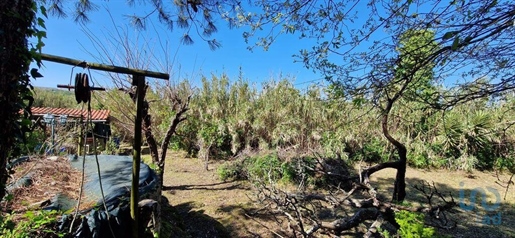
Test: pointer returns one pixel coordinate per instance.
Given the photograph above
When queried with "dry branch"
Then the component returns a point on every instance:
(300, 208)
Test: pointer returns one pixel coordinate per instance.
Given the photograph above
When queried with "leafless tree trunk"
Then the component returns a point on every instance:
(399, 191)
(180, 105)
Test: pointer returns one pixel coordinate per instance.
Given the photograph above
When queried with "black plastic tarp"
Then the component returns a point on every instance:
(116, 175)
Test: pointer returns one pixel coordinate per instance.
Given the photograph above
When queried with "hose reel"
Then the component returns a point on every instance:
(82, 88)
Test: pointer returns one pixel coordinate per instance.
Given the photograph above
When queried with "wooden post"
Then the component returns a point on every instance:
(138, 77)
(139, 81)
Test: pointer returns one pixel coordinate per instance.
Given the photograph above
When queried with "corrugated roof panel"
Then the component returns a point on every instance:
(100, 115)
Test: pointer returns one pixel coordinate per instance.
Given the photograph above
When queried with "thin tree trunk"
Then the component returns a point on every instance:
(399, 191)
(160, 158)
(15, 20)
(206, 165)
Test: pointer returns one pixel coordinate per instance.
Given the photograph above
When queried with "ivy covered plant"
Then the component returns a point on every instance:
(19, 24)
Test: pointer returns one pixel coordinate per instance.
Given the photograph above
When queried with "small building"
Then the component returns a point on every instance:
(47, 116)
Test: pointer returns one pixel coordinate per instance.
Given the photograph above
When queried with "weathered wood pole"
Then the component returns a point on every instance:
(104, 67)
(139, 81)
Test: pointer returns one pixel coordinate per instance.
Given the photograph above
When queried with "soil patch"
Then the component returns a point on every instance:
(208, 204)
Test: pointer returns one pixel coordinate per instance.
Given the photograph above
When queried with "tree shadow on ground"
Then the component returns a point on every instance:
(184, 221)
(213, 186)
(471, 219)
(252, 221)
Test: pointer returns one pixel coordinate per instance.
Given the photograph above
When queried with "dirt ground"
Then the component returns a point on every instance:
(201, 205)
(209, 207)
(213, 208)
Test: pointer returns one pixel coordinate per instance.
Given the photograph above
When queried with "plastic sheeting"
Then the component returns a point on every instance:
(116, 176)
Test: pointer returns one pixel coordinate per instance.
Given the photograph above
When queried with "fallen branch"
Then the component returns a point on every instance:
(346, 224)
(374, 228)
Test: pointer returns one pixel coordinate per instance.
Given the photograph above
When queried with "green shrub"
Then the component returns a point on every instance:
(296, 171)
(333, 143)
(33, 224)
(33, 139)
(418, 160)
(505, 163)
(412, 225)
(231, 171)
(373, 151)
(266, 167)
(110, 147)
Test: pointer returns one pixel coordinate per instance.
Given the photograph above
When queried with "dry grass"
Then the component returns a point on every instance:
(203, 201)
(50, 177)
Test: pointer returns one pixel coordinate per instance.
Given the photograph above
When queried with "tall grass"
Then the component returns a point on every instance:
(228, 116)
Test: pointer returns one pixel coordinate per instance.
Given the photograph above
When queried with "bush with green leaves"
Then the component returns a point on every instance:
(412, 225)
(33, 140)
(304, 170)
(268, 167)
(33, 224)
(231, 171)
(374, 150)
(249, 168)
(110, 148)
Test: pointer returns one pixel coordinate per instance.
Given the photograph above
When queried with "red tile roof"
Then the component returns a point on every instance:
(97, 115)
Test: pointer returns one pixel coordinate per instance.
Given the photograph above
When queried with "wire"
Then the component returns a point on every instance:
(83, 94)
(83, 175)
(98, 164)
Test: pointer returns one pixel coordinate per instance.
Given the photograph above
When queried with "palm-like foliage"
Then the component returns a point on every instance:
(228, 117)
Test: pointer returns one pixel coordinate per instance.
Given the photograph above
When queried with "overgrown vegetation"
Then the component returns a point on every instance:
(242, 121)
(475, 135)
(31, 224)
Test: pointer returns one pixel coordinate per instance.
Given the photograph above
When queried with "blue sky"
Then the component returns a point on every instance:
(66, 38)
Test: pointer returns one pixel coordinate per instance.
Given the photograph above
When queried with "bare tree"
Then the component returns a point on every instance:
(170, 99)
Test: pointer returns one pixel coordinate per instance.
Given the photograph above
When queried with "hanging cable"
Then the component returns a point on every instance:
(83, 95)
(82, 179)
(71, 76)
(98, 169)
(87, 97)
